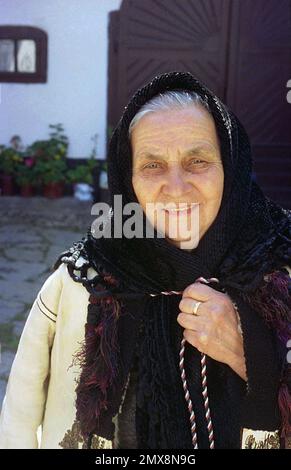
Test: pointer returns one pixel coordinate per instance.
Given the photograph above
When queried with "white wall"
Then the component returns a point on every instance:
(76, 90)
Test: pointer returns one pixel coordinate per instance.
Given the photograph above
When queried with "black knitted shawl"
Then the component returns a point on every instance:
(246, 248)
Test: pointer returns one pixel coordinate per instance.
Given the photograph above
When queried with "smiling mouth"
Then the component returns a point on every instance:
(181, 211)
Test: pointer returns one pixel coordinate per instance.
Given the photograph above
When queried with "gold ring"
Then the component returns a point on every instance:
(196, 308)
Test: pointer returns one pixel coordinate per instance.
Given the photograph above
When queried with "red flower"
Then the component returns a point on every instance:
(29, 161)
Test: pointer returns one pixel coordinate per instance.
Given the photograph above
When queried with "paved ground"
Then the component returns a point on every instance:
(33, 231)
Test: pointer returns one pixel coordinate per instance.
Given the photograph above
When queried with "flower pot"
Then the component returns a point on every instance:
(7, 185)
(26, 190)
(53, 190)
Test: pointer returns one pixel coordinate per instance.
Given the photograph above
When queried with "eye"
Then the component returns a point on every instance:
(197, 164)
(197, 161)
(151, 166)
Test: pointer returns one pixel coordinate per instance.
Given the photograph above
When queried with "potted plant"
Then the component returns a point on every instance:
(52, 175)
(26, 178)
(9, 160)
(50, 161)
(82, 179)
(55, 147)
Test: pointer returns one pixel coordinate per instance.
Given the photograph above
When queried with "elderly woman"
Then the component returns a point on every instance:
(184, 336)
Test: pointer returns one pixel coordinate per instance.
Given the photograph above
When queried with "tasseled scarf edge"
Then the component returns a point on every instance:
(274, 296)
(97, 358)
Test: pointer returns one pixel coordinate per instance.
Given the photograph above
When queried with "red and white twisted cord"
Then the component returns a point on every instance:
(171, 292)
(187, 395)
(204, 381)
(206, 401)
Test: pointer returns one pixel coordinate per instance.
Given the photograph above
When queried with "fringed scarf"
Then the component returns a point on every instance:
(246, 248)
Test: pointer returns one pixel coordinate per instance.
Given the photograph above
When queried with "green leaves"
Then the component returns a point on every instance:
(9, 160)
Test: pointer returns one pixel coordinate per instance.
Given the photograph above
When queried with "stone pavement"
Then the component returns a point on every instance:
(33, 231)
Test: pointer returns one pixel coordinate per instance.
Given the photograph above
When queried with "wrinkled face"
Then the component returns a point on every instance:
(176, 159)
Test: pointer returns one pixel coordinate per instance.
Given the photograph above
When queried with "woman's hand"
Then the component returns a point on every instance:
(214, 329)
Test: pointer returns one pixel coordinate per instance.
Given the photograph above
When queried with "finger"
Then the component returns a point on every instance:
(199, 291)
(191, 322)
(198, 339)
(187, 305)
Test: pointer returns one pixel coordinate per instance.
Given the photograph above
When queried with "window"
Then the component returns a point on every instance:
(23, 54)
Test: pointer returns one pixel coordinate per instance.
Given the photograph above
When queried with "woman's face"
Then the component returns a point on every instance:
(176, 159)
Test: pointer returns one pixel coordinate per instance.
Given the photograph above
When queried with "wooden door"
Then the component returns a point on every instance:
(241, 49)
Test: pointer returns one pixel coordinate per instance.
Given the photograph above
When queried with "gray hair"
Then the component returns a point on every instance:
(167, 101)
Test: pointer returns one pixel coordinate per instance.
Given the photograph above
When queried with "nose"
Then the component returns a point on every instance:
(176, 184)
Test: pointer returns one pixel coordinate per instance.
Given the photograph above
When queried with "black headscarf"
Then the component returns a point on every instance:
(249, 239)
